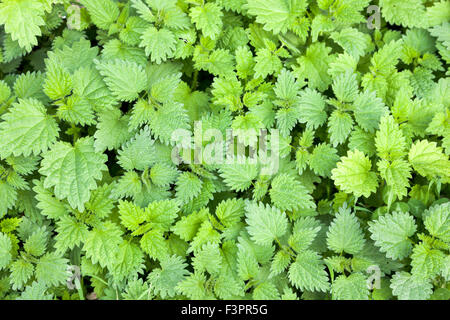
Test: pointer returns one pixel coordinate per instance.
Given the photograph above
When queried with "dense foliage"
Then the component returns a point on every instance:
(355, 205)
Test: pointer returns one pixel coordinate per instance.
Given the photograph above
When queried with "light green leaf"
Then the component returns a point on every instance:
(158, 44)
(73, 170)
(407, 287)
(353, 174)
(391, 233)
(103, 12)
(22, 20)
(5, 250)
(289, 194)
(208, 19)
(125, 79)
(437, 221)
(426, 262)
(21, 272)
(353, 287)
(265, 224)
(165, 279)
(312, 108)
(345, 234)
(368, 110)
(102, 244)
(51, 270)
(27, 129)
(276, 15)
(308, 272)
(340, 124)
(429, 160)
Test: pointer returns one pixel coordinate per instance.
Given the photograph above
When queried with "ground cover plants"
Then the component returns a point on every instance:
(224, 149)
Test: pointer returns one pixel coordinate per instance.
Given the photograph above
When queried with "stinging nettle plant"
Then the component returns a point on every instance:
(116, 117)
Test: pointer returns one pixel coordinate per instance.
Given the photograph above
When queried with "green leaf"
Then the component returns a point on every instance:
(400, 12)
(188, 226)
(426, 262)
(265, 224)
(353, 287)
(102, 244)
(138, 153)
(188, 186)
(167, 119)
(323, 159)
(21, 272)
(76, 110)
(289, 194)
(102, 12)
(128, 262)
(47, 203)
(73, 170)
(58, 82)
(51, 270)
(208, 258)
(36, 243)
(163, 174)
(314, 66)
(345, 87)
(287, 88)
(165, 279)
(193, 287)
(27, 129)
(5, 91)
(154, 244)
(239, 175)
(391, 234)
(244, 62)
(308, 272)
(227, 91)
(208, 19)
(125, 79)
(137, 289)
(312, 108)
(345, 234)
(353, 174)
(340, 124)
(437, 221)
(368, 110)
(131, 216)
(230, 211)
(158, 44)
(280, 262)
(36, 291)
(276, 15)
(22, 20)
(304, 232)
(407, 287)
(429, 160)
(161, 214)
(112, 130)
(389, 140)
(266, 291)
(8, 197)
(5, 251)
(397, 174)
(70, 233)
(363, 141)
(88, 85)
(267, 63)
(352, 41)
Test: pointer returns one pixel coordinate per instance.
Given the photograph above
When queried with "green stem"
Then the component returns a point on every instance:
(100, 279)
(194, 81)
(79, 286)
